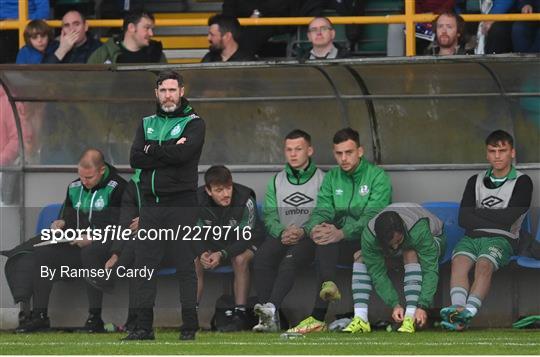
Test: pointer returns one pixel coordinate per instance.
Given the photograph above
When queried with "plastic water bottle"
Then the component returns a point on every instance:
(291, 336)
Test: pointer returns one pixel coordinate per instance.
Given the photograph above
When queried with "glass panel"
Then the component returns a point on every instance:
(358, 120)
(438, 131)
(253, 132)
(521, 77)
(10, 178)
(526, 114)
(426, 78)
(81, 108)
(342, 79)
(255, 82)
(69, 128)
(80, 85)
(9, 137)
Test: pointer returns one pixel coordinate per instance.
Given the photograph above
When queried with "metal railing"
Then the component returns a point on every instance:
(409, 19)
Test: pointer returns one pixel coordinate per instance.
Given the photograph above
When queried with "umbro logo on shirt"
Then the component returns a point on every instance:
(339, 192)
(149, 130)
(297, 199)
(491, 201)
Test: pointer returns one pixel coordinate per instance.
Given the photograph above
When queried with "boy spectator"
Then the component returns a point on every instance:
(38, 37)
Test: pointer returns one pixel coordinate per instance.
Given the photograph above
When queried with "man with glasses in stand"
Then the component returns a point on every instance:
(321, 34)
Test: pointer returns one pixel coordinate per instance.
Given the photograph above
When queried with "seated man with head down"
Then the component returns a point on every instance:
(412, 234)
(230, 232)
(92, 203)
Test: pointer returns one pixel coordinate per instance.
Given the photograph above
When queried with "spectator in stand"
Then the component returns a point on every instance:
(321, 34)
(253, 38)
(396, 32)
(9, 39)
(223, 36)
(38, 38)
(526, 34)
(347, 8)
(449, 35)
(498, 35)
(75, 45)
(135, 46)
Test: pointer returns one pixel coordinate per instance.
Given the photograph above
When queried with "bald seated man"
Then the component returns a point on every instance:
(92, 201)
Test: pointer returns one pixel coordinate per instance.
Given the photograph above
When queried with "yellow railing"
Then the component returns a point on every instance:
(409, 19)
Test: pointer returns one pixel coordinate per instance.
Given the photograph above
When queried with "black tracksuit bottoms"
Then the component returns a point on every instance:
(169, 212)
(275, 267)
(55, 256)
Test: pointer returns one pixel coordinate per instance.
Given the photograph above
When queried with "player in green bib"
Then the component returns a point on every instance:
(412, 234)
(493, 207)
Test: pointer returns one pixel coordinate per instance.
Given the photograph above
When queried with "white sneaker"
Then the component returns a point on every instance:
(268, 321)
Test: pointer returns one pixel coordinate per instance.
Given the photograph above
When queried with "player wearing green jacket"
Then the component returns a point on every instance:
(350, 196)
(410, 232)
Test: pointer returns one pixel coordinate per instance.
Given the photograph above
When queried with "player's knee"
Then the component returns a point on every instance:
(241, 260)
(461, 264)
(484, 267)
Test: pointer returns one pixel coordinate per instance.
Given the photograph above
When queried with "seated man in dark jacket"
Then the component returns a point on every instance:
(92, 203)
(230, 232)
(75, 45)
(223, 35)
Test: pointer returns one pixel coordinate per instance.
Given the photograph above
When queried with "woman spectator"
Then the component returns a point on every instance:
(38, 38)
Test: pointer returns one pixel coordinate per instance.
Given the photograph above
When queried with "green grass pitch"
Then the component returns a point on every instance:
(487, 342)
